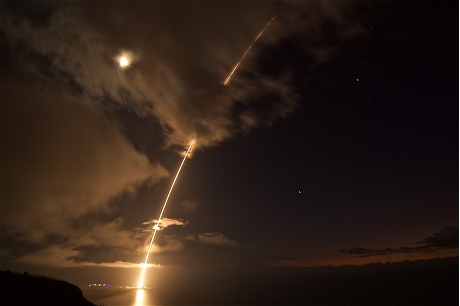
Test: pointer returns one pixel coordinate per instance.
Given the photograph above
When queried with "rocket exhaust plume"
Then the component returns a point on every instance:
(237, 64)
(156, 226)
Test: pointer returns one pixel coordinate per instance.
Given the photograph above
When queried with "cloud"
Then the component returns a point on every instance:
(213, 238)
(446, 238)
(167, 244)
(96, 233)
(178, 67)
(65, 155)
(54, 255)
(166, 222)
(358, 251)
(74, 52)
(64, 257)
(163, 243)
(65, 162)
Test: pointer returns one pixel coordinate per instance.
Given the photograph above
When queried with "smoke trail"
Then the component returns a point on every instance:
(237, 64)
(156, 226)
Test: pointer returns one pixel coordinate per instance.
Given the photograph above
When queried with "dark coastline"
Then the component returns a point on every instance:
(25, 289)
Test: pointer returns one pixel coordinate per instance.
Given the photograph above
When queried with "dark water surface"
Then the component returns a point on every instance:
(119, 296)
(430, 282)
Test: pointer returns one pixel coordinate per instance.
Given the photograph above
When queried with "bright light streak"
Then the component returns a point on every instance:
(237, 64)
(156, 226)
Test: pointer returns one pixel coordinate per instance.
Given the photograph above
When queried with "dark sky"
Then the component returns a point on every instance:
(335, 142)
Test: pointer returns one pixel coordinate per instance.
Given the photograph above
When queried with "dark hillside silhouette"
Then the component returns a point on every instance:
(25, 289)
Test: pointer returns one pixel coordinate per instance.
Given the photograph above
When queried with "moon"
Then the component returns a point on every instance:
(123, 62)
(125, 58)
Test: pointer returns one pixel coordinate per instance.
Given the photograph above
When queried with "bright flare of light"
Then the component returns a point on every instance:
(237, 64)
(140, 284)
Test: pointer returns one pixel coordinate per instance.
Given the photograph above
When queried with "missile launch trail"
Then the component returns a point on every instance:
(156, 226)
(237, 64)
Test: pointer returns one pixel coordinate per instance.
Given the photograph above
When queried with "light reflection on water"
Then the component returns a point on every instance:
(120, 296)
(140, 294)
(107, 296)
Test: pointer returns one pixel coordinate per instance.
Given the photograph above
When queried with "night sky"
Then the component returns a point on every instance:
(334, 143)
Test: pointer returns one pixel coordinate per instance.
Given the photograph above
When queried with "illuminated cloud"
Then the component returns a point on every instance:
(165, 222)
(63, 257)
(178, 78)
(67, 156)
(65, 163)
(167, 244)
(55, 255)
(162, 243)
(213, 238)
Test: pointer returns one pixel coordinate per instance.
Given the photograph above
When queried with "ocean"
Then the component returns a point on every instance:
(107, 296)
